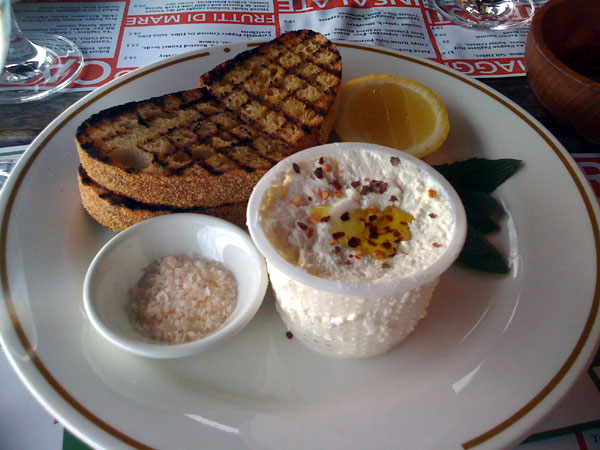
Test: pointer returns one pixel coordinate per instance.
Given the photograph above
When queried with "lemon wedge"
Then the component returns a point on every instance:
(392, 111)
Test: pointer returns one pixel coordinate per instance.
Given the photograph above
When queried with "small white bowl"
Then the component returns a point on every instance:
(120, 264)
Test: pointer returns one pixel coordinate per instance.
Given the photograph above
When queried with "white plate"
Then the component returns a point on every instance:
(492, 357)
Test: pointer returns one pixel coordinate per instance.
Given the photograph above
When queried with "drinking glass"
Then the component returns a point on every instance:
(5, 14)
(487, 14)
(35, 66)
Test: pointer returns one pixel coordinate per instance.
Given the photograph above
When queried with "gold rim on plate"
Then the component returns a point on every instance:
(478, 440)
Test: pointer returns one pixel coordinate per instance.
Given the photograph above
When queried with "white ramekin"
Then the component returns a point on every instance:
(351, 319)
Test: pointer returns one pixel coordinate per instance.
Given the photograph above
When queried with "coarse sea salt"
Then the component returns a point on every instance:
(181, 299)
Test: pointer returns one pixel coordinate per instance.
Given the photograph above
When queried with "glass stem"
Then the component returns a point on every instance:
(23, 55)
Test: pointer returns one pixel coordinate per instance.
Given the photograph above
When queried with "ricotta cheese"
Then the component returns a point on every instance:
(303, 217)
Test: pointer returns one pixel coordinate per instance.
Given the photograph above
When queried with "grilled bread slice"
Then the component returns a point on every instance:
(117, 212)
(286, 87)
(207, 147)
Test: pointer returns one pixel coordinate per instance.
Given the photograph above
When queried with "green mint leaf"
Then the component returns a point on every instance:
(479, 254)
(481, 202)
(481, 222)
(474, 179)
(479, 207)
(480, 174)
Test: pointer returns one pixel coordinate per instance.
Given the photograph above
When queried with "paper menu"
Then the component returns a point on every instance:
(119, 36)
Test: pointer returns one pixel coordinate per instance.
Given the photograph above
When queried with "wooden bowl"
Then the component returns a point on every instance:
(562, 56)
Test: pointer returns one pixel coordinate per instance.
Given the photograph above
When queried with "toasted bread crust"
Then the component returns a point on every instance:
(117, 212)
(209, 146)
(177, 191)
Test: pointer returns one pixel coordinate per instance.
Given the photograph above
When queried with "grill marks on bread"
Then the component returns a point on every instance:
(286, 88)
(174, 134)
(250, 113)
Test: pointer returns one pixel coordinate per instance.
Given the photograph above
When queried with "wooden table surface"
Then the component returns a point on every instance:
(20, 124)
